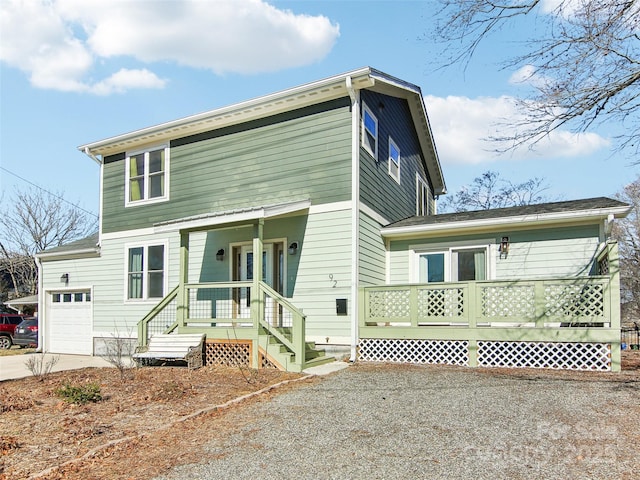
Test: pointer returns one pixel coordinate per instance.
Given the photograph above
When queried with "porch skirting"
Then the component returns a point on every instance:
(233, 353)
(554, 355)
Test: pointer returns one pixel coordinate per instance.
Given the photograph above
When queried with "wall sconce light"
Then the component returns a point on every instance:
(504, 247)
(220, 255)
(293, 248)
(65, 278)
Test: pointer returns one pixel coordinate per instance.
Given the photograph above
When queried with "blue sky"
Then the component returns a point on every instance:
(77, 71)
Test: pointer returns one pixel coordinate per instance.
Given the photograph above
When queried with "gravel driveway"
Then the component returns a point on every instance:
(396, 422)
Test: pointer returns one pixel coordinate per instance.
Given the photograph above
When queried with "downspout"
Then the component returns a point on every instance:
(88, 153)
(355, 214)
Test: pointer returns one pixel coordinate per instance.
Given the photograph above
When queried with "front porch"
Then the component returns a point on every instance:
(244, 325)
(247, 322)
(560, 323)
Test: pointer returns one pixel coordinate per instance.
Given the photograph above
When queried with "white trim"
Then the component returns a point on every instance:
(165, 273)
(365, 144)
(367, 210)
(138, 232)
(331, 207)
(147, 189)
(520, 220)
(354, 95)
(392, 161)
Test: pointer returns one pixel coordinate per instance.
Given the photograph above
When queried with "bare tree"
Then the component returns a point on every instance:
(582, 61)
(627, 232)
(490, 191)
(34, 221)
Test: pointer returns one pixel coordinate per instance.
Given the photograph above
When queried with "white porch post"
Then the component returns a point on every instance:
(257, 297)
(182, 313)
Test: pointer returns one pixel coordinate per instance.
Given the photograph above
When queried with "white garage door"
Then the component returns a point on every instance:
(70, 322)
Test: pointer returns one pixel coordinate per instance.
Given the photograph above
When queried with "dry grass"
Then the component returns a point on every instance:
(144, 425)
(39, 430)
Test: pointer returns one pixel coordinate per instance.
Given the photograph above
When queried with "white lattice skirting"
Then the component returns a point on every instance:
(449, 352)
(561, 356)
(554, 355)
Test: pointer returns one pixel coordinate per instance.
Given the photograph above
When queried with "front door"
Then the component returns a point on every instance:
(244, 272)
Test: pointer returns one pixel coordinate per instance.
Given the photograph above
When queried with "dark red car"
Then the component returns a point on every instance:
(8, 324)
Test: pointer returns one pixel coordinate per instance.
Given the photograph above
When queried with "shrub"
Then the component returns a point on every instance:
(80, 395)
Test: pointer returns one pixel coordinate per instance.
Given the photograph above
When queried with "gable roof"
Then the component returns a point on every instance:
(297, 97)
(574, 211)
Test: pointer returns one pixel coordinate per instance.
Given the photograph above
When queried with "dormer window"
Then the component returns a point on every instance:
(147, 176)
(369, 131)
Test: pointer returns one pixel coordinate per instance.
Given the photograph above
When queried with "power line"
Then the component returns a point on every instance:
(50, 193)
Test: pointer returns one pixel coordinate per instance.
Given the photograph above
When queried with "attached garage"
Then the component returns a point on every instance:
(70, 320)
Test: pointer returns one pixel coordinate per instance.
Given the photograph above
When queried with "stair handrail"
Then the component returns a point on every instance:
(297, 344)
(143, 325)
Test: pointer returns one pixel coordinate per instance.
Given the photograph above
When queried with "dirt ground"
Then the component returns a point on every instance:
(145, 423)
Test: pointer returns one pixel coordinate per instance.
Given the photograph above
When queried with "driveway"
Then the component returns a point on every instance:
(15, 366)
(408, 422)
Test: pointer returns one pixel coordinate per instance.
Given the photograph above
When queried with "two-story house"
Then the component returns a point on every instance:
(296, 217)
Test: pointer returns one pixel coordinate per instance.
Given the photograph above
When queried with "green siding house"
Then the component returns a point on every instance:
(334, 183)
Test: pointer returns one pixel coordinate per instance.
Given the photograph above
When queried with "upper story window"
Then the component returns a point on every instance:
(146, 272)
(394, 160)
(422, 196)
(369, 131)
(147, 176)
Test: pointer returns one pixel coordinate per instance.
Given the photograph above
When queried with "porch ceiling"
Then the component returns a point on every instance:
(243, 215)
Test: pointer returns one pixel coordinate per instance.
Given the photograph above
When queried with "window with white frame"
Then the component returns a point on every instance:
(147, 176)
(394, 160)
(454, 264)
(146, 272)
(369, 131)
(422, 196)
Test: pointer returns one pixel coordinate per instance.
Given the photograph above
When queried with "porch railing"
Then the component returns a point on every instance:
(229, 311)
(161, 319)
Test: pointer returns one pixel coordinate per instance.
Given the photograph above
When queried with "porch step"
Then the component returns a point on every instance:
(286, 359)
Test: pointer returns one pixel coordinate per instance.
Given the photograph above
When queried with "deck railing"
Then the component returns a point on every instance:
(547, 322)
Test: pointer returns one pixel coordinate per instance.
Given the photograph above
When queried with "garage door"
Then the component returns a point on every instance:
(70, 322)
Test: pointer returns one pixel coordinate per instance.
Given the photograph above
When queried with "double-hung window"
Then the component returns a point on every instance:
(455, 264)
(146, 272)
(147, 176)
(369, 131)
(394, 160)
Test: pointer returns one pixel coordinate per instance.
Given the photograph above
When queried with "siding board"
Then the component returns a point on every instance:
(289, 158)
(377, 188)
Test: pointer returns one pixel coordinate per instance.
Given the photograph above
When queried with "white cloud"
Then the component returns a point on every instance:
(58, 42)
(125, 79)
(462, 128)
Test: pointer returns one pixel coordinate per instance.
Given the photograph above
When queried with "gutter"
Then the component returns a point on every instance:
(523, 220)
(88, 153)
(355, 213)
